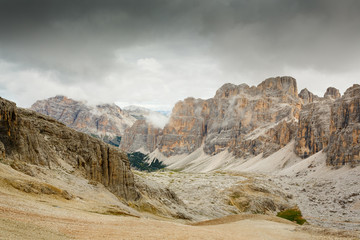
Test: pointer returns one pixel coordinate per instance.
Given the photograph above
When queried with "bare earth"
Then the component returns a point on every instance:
(61, 222)
(41, 216)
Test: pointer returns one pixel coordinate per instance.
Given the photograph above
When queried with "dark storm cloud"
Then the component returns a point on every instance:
(319, 34)
(75, 36)
(86, 41)
(63, 32)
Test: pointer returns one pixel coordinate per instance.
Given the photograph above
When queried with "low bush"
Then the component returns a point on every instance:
(292, 214)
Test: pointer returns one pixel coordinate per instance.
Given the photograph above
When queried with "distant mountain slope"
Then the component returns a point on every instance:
(137, 112)
(245, 120)
(106, 121)
(248, 121)
(156, 118)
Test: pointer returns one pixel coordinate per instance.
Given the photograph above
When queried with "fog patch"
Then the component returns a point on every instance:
(157, 119)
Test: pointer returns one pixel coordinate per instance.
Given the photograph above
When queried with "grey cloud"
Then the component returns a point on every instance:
(319, 34)
(247, 41)
(80, 36)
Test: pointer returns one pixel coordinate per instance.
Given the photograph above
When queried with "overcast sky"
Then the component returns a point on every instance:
(156, 52)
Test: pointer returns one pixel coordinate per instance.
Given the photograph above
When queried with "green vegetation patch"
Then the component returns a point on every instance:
(140, 162)
(292, 214)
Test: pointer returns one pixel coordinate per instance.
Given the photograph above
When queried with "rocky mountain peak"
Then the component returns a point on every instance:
(104, 120)
(307, 96)
(229, 121)
(248, 121)
(229, 90)
(344, 140)
(332, 93)
(279, 85)
(353, 91)
(331, 124)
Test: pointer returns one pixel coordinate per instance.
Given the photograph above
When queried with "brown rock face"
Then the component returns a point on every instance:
(332, 93)
(185, 130)
(245, 120)
(253, 120)
(313, 128)
(104, 121)
(248, 121)
(344, 141)
(307, 96)
(332, 124)
(141, 136)
(37, 139)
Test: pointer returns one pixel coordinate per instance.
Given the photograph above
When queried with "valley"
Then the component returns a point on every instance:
(180, 120)
(93, 212)
(233, 162)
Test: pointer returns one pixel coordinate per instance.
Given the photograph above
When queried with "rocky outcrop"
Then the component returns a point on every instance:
(33, 138)
(185, 131)
(251, 120)
(137, 112)
(313, 128)
(248, 121)
(307, 96)
(245, 120)
(105, 121)
(325, 125)
(142, 136)
(344, 141)
(332, 92)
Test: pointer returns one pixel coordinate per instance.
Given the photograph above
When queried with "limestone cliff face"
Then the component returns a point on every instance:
(106, 120)
(142, 136)
(248, 121)
(313, 128)
(33, 138)
(344, 141)
(307, 96)
(331, 124)
(332, 92)
(185, 131)
(252, 120)
(245, 120)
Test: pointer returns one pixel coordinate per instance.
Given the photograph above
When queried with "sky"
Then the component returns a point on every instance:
(153, 53)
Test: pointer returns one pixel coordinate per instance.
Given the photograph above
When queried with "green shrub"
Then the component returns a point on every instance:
(292, 214)
(140, 162)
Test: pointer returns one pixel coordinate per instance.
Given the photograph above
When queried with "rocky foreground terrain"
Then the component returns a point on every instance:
(94, 213)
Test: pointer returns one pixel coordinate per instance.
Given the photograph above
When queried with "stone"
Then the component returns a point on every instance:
(142, 136)
(106, 121)
(248, 121)
(313, 128)
(307, 96)
(229, 120)
(332, 93)
(33, 138)
(344, 139)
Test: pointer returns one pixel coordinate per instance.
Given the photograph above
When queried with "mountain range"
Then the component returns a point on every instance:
(244, 121)
(257, 121)
(249, 151)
